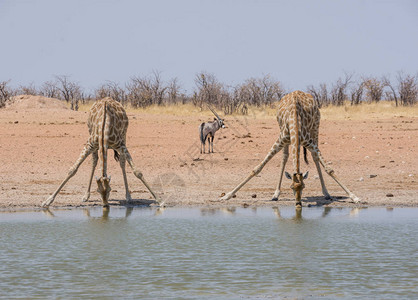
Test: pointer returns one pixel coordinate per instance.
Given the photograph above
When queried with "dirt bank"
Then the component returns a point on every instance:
(40, 139)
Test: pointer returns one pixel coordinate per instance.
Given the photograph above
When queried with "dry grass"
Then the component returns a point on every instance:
(363, 111)
(380, 110)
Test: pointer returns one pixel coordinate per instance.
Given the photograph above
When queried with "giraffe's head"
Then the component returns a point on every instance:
(297, 185)
(103, 187)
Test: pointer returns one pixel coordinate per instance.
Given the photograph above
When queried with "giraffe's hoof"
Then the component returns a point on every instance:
(47, 202)
(328, 197)
(275, 199)
(355, 198)
(226, 197)
(86, 198)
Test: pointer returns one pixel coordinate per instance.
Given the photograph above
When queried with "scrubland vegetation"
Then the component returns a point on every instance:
(252, 96)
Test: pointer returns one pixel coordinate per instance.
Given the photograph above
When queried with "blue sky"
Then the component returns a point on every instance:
(296, 42)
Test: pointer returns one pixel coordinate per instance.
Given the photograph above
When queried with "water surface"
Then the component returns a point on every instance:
(193, 253)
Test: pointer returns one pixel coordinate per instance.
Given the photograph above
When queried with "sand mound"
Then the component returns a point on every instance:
(29, 102)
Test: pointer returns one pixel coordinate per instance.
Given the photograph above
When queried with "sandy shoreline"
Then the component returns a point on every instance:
(375, 157)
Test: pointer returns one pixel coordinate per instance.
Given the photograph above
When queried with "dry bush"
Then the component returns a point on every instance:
(338, 92)
(374, 89)
(260, 91)
(49, 89)
(6, 93)
(357, 93)
(175, 93)
(113, 90)
(209, 90)
(320, 94)
(256, 92)
(145, 91)
(28, 90)
(408, 89)
(70, 91)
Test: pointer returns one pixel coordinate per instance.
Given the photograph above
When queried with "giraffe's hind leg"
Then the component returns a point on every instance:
(138, 174)
(86, 152)
(122, 162)
(276, 148)
(314, 149)
(93, 167)
(284, 161)
(321, 178)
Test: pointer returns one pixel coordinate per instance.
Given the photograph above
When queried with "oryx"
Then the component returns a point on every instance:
(208, 129)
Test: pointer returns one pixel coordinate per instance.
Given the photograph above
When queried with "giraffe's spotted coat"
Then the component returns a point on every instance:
(107, 123)
(298, 117)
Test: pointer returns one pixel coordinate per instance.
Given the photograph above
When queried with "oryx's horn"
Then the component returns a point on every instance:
(216, 115)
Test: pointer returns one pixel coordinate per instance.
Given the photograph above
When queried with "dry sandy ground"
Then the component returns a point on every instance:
(41, 138)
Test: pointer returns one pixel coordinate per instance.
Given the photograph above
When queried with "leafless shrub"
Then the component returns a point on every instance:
(260, 91)
(209, 90)
(357, 93)
(139, 92)
(320, 94)
(69, 91)
(408, 89)
(374, 89)
(28, 90)
(338, 92)
(6, 93)
(174, 94)
(144, 91)
(113, 90)
(49, 89)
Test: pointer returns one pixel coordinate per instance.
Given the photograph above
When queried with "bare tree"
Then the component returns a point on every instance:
(338, 92)
(69, 90)
(49, 89)
(144, 91)
(408, 88)
(260, 91)
(392, 94)
(6, 93)
(113, 90)
(374, 88)
(173, 91)
(357, 93)
(28, 90)
(158, 88)
(208, 90)
(139, 92)
(320, 94)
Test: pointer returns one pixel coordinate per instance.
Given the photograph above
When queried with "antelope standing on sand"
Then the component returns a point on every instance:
(298, 117)
(208, 129)
(107, 123)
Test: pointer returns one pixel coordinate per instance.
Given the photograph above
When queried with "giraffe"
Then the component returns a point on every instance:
(298, 117)
(107, 123)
